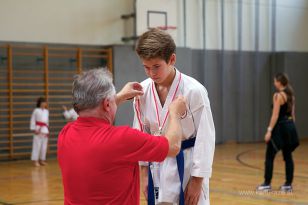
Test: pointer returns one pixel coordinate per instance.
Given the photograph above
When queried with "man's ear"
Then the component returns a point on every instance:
(172, 59)
(106, 105)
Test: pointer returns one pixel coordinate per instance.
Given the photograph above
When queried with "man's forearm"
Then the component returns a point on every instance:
(119, 98)
(174, 134)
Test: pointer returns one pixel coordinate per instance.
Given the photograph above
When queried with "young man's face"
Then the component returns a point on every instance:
(158, 69)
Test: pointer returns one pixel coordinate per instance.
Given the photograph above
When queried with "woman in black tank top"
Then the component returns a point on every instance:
(281, 133)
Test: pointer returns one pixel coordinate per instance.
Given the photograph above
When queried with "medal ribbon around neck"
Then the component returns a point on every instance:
(156, 106)
(138, 113)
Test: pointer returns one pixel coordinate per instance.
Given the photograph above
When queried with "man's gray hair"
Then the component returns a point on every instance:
(91, 87)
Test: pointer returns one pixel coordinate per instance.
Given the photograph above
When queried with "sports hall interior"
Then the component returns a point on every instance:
(233, 47)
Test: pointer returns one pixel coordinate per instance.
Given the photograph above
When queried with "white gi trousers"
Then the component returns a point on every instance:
(39, 147)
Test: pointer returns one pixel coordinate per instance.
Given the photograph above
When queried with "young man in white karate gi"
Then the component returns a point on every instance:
(184, 179)
(39, 125)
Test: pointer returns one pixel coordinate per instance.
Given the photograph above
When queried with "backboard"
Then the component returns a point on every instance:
(156, 13)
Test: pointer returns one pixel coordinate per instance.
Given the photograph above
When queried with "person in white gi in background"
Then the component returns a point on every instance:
(69, 114)
(156, 50)
(39, 124)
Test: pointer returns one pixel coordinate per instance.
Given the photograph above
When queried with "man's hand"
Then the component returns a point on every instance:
(130, 90)
(193, 191)
(64, 108)
(178, 106)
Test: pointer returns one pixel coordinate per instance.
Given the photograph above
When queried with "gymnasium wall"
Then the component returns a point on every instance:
(239, 86)
(98, 22)
(71, 21)
(30, 71)
(264, 21)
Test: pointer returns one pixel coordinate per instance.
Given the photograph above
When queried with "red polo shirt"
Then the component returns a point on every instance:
(99, 162)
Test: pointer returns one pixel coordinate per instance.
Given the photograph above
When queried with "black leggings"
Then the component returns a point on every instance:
(269, 163)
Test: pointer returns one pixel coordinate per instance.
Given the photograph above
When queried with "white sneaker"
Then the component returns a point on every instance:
(286, 188)
(264, 187)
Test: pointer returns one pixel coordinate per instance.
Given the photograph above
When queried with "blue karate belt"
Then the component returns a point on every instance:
(180, 162)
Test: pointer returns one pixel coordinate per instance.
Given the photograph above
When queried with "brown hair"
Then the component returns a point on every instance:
(155, 43)
(284, 80)
(39, 101)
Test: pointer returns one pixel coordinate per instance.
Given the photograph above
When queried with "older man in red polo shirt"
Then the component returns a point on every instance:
(99, 161)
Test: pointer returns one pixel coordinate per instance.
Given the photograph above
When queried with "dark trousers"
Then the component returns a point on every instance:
(269, 163)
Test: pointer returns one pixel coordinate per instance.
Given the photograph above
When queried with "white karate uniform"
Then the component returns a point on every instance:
(198, 122)
(70, 114)
(40, 141)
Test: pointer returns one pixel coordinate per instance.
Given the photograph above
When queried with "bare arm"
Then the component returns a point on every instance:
(277, 99)
(174, 135)
(174, 131)
(276, 102)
